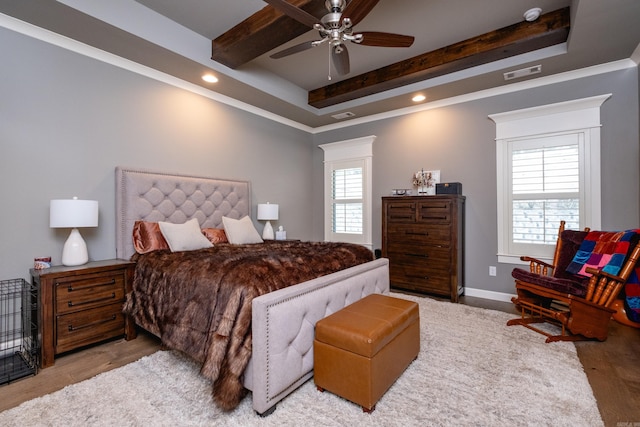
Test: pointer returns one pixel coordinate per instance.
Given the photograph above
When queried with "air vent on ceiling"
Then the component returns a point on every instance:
(510, 75)
(344, 115)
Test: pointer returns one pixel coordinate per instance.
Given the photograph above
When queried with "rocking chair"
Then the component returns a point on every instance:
(580, 305)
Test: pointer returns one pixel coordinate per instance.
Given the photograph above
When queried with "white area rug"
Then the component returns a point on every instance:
(472, 370)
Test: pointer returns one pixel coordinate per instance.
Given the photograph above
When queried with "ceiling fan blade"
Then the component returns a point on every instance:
(356, 10)
(293, 49)
(340, 59)
(375, 38)
(294, 12)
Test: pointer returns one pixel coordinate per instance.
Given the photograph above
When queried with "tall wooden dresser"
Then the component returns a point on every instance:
(423, 238)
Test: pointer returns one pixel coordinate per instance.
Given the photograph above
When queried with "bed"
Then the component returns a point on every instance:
(282, 321)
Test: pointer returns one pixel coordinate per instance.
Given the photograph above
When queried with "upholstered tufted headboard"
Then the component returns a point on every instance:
(155, 196)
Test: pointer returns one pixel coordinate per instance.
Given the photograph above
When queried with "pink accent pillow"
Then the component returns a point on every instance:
(215, 235)
(147, 237)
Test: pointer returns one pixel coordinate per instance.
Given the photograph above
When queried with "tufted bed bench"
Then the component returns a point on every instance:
(283, 321)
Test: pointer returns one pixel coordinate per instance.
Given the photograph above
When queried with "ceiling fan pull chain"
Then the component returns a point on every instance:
(329, 70)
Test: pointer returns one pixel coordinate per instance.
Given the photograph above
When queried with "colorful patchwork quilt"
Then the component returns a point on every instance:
(603, 250)
(607, 251)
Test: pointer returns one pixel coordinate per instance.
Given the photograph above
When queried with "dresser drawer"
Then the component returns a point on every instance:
(421, 279)
(437, 212)
(88, 291)
(401, 212)
(419, 233)
(88, 326)
(418, 255)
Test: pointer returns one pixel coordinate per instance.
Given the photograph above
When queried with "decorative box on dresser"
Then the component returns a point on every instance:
(82, 305)
(423, 238)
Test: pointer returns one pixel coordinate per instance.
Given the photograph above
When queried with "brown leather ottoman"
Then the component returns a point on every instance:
(362, 349)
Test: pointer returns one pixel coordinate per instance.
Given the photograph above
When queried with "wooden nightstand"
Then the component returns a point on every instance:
(81, 305)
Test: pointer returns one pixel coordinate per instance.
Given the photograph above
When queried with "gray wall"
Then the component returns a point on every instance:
(66, 122)
(459, 140)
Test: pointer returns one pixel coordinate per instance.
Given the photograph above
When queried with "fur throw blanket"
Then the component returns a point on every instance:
(199, 302)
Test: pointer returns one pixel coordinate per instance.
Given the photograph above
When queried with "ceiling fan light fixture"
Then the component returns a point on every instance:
(419, 98)
(209, 78)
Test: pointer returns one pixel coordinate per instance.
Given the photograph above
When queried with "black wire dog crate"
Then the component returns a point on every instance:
(19, 348)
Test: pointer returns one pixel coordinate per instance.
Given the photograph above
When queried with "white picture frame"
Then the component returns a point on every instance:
(432, 177)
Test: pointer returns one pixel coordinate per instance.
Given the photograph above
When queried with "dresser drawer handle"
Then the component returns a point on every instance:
(88, 325)
(419, 255)
(400, 216)
(417, 233)
(71, 304)
(415, 276)
(110, 282)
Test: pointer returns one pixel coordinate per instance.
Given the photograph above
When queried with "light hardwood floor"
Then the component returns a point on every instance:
(612, 367)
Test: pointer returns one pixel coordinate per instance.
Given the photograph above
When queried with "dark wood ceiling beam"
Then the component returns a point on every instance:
(550, 29)
(261, 32)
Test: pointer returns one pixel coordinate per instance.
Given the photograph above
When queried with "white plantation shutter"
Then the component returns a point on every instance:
(545, 188)
(347, 200)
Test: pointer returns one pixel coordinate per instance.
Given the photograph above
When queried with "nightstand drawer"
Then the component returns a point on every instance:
(89, 326)
(88, 291)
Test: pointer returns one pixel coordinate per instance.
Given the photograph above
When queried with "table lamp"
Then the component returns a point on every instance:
(267, 212)
(73, 213)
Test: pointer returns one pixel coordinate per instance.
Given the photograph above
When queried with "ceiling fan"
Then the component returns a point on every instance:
(336, 28)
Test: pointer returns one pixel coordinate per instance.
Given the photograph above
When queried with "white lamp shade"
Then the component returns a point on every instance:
(73, 213)
(267, 212)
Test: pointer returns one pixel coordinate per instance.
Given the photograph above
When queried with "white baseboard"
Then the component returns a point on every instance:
(492, 295)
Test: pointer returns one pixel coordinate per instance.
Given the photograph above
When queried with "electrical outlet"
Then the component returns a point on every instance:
(492, 270)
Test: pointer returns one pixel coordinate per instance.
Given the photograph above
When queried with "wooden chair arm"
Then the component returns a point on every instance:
(538, 266)
(600, 273)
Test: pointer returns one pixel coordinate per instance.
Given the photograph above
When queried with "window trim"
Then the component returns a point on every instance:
(341, 152)
(581, 116)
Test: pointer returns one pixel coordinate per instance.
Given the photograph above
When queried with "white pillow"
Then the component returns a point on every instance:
(184, 237)
(240, 231)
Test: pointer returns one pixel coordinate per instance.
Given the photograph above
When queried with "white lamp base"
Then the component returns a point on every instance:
(267, 233)
(75, 250)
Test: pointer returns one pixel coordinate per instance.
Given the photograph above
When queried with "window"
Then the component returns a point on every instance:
(548, 170)
(347, 171)
(346, 198)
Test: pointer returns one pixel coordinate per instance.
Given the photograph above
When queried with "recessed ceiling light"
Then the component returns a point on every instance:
(418, 98)
(210, 78)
